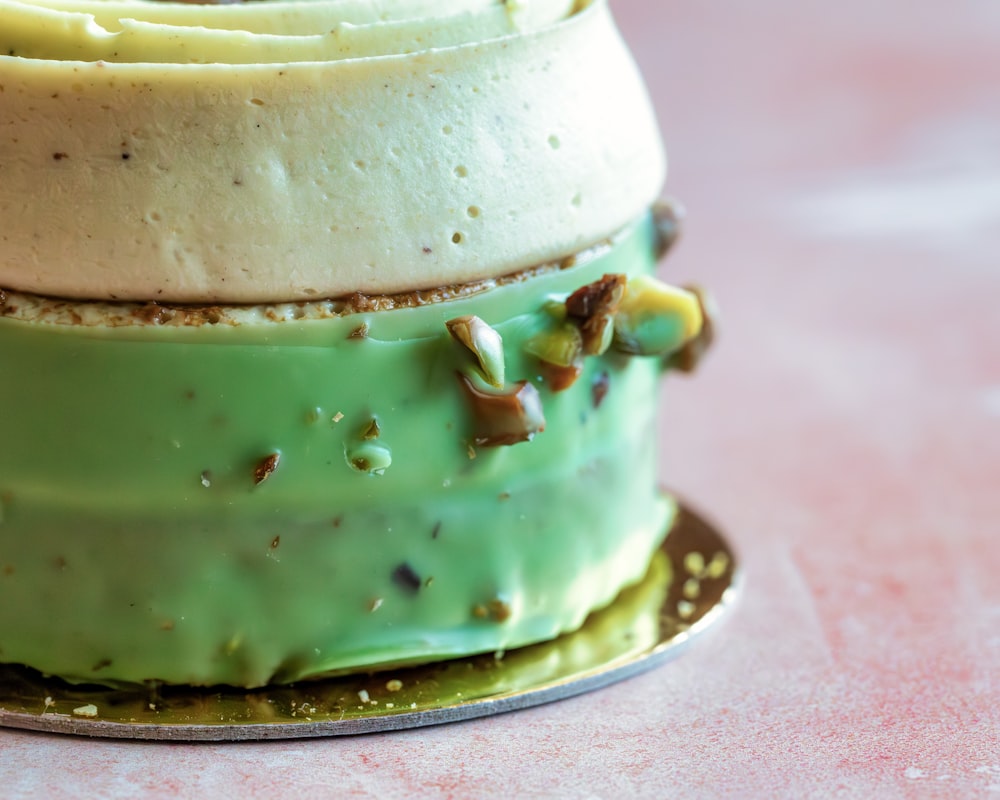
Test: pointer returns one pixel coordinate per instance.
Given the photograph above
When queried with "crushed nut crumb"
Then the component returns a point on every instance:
(592, 308)
(694, 563)
(265, 468)
(496, 610)
(718, 565)
(371, 430)
(599, 389)
(405, 577)
(668, 215)
(693, 352)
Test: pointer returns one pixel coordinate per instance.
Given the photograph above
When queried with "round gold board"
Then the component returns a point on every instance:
(691, 581)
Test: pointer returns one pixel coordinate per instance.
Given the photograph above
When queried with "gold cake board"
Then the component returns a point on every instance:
(692, 580)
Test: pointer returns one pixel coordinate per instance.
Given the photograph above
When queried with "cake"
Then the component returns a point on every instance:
(329, 333)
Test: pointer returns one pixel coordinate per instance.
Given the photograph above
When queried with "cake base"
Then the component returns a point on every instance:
(691, 581)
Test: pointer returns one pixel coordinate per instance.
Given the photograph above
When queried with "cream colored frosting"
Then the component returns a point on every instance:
(291, 150)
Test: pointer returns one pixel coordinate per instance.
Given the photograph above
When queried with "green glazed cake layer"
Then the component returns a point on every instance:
(273, 500)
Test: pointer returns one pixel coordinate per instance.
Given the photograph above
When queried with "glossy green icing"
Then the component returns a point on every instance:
(214, 505)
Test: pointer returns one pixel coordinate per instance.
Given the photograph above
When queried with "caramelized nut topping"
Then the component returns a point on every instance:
(559, 378)
(154, 313)
(265, 467)
(592, 306)
(485, 343)
(369, 457)
(668, 216)
(496, 610)
(562, 347)
(371, 430)
(599, 389)
(504, 418)
(654, 318)
(600, 297)
(691, 354)
(499, 610)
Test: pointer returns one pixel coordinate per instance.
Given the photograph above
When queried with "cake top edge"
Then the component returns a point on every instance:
(413, 152)
(263, 31)
(35, 308)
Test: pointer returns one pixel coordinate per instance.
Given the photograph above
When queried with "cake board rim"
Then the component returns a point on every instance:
(694, 579)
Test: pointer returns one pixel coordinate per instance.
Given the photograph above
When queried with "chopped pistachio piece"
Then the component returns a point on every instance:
(559, 378)
(360, 332)
(688, 357)
(369, 457)
(496, 610)
(655, 318)
(668, 215)
(600, 297)
(371, 430)
(717, 567)
(484, 342)
(592, 308)
(561, 346)
(504, 418)
(555, 309)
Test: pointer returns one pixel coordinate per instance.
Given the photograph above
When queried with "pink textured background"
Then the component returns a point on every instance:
(841, 168)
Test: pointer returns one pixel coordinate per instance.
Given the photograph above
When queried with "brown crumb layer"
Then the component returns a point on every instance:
(60, 311)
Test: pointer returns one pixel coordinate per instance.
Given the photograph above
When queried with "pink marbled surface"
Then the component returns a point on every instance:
(841, 168)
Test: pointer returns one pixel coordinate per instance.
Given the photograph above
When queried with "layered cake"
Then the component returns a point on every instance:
(329, 333)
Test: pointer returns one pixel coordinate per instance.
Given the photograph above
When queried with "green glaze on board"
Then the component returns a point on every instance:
(261, 503)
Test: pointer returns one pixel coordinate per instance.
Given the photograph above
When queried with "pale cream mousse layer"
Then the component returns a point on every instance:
(160, 151)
